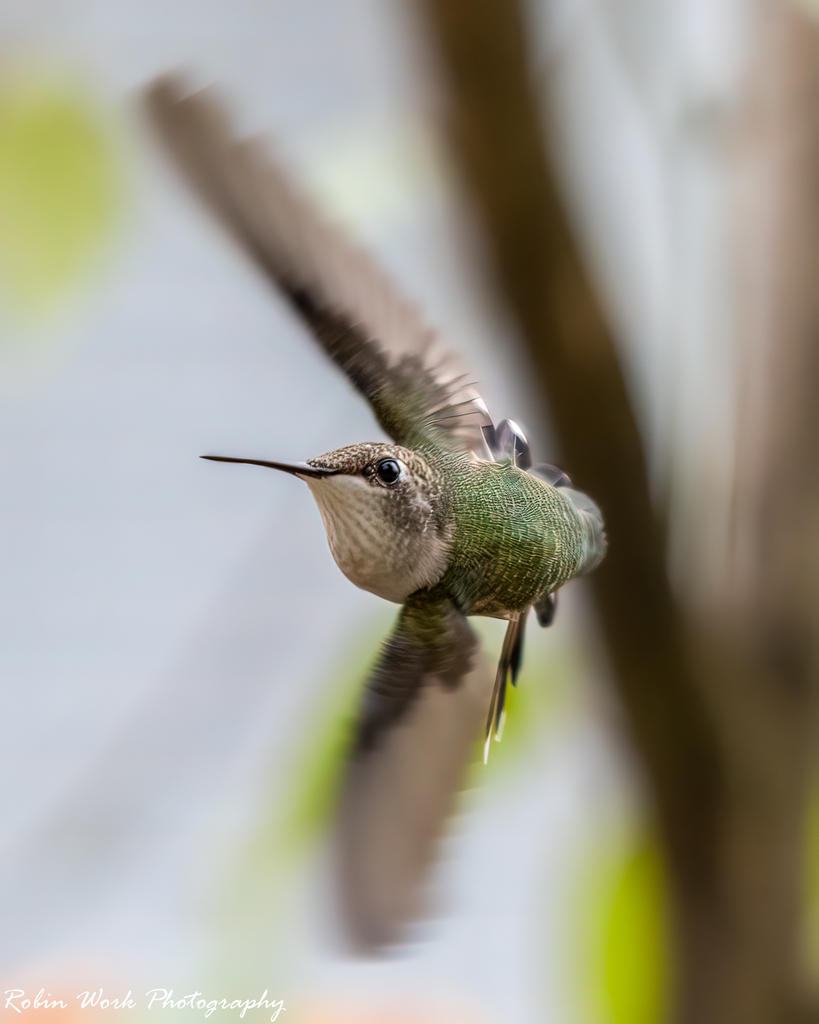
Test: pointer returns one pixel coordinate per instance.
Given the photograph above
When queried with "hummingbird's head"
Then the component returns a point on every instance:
(385, 512)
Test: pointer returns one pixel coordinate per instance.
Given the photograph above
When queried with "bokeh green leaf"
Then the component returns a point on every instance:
(59, 189)
(624, 952)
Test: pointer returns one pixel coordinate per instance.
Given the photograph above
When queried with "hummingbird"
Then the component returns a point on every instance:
(450, 518)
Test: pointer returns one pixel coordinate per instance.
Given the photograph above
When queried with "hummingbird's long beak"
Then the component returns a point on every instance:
(296, 468)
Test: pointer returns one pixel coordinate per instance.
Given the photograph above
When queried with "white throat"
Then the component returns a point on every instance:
(368, 548)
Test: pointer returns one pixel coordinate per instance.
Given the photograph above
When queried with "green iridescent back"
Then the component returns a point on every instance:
(516, 538)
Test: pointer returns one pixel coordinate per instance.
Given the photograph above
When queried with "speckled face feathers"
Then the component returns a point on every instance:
(384, 511)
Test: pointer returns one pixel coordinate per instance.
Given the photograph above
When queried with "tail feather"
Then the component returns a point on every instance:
(508, 668)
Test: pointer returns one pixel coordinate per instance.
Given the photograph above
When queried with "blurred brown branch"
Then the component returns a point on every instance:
(720, 712)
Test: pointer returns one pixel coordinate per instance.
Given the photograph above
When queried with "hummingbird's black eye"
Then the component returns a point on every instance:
(388, 471)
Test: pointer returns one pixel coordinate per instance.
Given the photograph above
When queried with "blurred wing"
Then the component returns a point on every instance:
(422, 714)
(416, 390)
